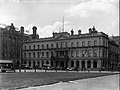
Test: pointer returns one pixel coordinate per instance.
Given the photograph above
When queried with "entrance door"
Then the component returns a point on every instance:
(62, 64)
(83, 65)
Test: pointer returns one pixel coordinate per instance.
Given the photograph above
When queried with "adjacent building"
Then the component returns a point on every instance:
(117, 40)
(11, 43)
(113, 54)
(63, 49)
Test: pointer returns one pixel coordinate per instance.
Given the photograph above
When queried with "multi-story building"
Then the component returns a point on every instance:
(63, 49)
(10, 43)
(113, 54)
(117, 40)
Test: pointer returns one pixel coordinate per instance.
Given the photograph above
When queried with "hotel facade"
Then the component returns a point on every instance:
(63, 49)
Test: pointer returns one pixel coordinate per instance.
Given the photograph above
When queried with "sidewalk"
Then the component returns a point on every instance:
(100, 83)
(67, 71)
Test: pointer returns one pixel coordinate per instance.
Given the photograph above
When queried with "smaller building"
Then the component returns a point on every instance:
(113, 54)
(117, 40)
(11, 39)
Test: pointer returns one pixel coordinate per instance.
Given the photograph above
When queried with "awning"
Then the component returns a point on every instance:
(6, 61)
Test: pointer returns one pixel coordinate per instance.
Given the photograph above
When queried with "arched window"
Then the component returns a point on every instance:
(51, 45)
(95, 42)
(83, 43)
(77, 44)
(42, 54)
(62, 64)
(24, 47)
(29, 63)
(33, 63)
(47, 46)
(47, 54)
(38, 54)
(72, 44)
(42, 63)
(29, 55)
(51, 63)
(77, 63)
(38, 46)
(72, 63)
(38, 63)
(29, 47)
(24, 55)
(57, 45)
(33, 46)
(42, 46)
(18, 63)
(88, 64)
(77, 53)
(51, 53)
(89, 43)
(83, 64)
(94, 64)
(72, 53)
(25, 62)
(47, 62)
(61, 45)
(33, 54)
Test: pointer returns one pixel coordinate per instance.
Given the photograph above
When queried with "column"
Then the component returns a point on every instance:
(40, 63)
(69, 63)
(49, 62)
(32, 64)
(98, 64)
(91, 63)
(74, 63)
(86, 64)
(80, 64)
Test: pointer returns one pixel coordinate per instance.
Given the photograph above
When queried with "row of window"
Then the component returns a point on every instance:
(14, 39)
(60, 45)
(42, 54)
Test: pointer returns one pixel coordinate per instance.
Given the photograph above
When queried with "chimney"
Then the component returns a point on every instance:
(72, 32)
(53, 34)
(22, 29)
(12, 27)
(93, 29)
(79, 32)
(34, 30)
(90, 30)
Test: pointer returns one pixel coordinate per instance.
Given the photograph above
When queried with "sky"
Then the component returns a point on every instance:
(47, 15)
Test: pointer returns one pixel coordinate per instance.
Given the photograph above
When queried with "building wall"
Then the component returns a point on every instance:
(11, 43)
(0, 43)
(86, 48)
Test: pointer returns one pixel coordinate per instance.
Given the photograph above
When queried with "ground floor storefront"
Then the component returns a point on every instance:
(81, 64)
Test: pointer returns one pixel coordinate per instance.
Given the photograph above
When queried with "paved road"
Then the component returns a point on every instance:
(100, 83)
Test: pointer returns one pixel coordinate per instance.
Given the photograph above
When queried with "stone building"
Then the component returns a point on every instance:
(10, 43)
(63, 49)
(113, 54)
(117, 40)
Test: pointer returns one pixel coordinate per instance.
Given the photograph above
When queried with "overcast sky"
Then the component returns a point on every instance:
(47, 15)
